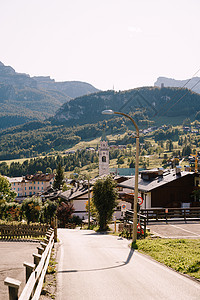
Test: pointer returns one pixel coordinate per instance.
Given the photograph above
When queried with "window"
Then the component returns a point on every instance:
(14, 183)
(103, 158)
(25, 188)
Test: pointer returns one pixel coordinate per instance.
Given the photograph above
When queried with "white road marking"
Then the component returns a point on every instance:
(193, 233)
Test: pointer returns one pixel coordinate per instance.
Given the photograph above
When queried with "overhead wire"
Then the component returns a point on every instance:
(182, 97)
(177, 94)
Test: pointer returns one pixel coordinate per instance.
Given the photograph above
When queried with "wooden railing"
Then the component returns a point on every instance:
(171, 214)
(141, 223)
(22, 231)
(35, 272)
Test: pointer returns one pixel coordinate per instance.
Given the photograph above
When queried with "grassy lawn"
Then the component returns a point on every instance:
(182, 255)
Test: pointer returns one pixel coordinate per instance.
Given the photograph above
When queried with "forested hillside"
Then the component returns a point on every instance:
(153, 101)
(82, 119)
(24, 98)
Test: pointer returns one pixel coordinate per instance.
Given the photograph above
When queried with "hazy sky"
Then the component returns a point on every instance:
(120, 43)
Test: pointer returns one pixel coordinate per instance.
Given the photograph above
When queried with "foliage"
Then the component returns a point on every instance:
(10, 211)
(186, 151)
(64, 213)
(59, 178)
(48, 211)
(187, 122)
(6, 194)
(58, 134)
(93, 210)
(31, 208)
(104, 199)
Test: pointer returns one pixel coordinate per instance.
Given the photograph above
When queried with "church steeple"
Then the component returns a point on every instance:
(103, 155)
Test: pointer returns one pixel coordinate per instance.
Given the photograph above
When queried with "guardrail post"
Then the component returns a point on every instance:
(29, 269)
(37, 258)
(13, 287)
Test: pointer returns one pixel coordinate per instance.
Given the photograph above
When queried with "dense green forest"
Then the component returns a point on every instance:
(154, 102)
(34, 138)
(168, 140)
(29, 99)
(49, 163)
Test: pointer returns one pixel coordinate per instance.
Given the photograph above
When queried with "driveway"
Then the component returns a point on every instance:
(12, 257)
(96, 266)
(179, 229)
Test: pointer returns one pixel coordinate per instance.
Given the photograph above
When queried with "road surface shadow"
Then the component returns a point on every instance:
(105, 268)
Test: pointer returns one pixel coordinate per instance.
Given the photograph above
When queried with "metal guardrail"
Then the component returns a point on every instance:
(35, 273)
(171, 214)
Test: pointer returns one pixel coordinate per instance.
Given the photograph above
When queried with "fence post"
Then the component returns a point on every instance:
(29, 269)
(40, 250)
(37, 258)
(13, 287)
(43, 245)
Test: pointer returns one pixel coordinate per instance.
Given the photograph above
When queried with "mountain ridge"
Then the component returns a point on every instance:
(24, 98)
(192, 83)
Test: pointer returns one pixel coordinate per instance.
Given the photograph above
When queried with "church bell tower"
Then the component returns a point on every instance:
(103, 156)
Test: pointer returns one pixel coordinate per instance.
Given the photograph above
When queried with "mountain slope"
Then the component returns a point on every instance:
(193, 83)
(24, 98)
(170, 102)
(82, 119)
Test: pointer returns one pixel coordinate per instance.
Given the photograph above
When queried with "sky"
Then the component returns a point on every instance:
(111, 44)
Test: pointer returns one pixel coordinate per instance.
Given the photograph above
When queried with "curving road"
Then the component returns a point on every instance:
(95, 266)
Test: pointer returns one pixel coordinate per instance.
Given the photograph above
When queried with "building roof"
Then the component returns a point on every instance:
(39, 177)
(168, 176)
(28, 178)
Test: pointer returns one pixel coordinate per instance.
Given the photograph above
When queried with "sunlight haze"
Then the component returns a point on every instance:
(120, 44)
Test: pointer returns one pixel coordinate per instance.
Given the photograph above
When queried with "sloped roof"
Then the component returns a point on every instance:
(149, 185)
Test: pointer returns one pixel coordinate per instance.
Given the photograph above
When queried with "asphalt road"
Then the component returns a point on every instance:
(95, 266)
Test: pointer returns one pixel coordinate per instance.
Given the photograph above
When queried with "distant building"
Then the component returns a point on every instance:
(163, 188)
(30, 185)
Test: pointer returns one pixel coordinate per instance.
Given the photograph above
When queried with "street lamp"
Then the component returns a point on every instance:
(111, 112)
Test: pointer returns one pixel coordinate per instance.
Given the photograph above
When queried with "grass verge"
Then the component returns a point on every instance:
(182, 255)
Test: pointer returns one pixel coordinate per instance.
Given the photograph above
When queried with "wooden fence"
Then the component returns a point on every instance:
(171, 214)
(35, 272)
(22, 231)
(141, 223)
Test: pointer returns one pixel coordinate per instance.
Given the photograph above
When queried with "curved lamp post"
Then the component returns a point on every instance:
(111, 112)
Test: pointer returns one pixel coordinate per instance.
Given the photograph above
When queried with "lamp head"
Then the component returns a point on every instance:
(108, 112)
